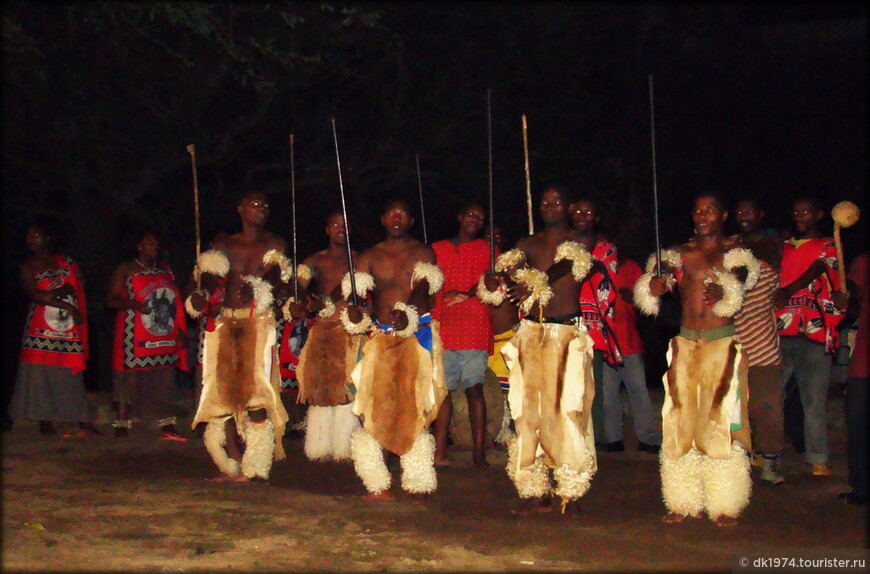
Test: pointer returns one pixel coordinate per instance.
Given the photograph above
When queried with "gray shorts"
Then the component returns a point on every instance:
(467, 366)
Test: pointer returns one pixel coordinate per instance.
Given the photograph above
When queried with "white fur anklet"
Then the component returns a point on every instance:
(318, 432)
(533, 481)
(682, 482)
(571, 483)
(727, 484)
(418, 465)
(368, 461)
(344, 424)
(413, 320)
(215, 438)
(259, 448)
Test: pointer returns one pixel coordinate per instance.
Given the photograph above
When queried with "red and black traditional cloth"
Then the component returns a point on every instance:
(466, 325)
(597, 301)
(51, 337)
(627, 336)
(810, 312)
(291, 338)
(148, 341)
(206, 322)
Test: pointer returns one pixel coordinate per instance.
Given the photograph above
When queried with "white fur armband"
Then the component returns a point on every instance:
(275, 257)
(352, 328)
(365, 282)
(740, 257)
(328, 308)
(303, 273)
(214, 262)
(494, 298)
(578, 255)
(670, 257)
(431, 273)
(413, 319)
(539, 289)
(509, 259)
(263, 298)
(644, 300)
(732, 294)
(188, 306)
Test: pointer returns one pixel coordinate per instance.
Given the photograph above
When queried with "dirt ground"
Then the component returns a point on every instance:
(140, 504)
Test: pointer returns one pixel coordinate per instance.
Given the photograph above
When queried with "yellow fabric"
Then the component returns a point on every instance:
(496, 361)
(550, 396)
(257, 388)
(701, 395)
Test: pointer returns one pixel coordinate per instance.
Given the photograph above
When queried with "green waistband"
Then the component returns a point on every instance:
(707, 334)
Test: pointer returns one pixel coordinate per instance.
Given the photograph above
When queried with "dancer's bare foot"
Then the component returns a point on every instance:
(725, 521)
(384, 496)
(675, 517)
(533, 505)
(419, 498)
(570, 507)
(480, 460)
(228, 478)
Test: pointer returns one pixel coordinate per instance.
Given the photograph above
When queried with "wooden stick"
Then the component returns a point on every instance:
(293, 208)
(652, 119)
(528, 177)
(192, 151)
(420, 187)
(841, 263)
(491, 218)
(344, 214)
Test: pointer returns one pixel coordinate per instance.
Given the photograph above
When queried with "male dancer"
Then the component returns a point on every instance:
(330, 353)
(241, 384)
(705, 431)
(466, 329)
(550, 362)
(400, 380)
(756, 330)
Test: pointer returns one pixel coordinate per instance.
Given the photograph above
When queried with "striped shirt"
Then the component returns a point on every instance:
(755, 324)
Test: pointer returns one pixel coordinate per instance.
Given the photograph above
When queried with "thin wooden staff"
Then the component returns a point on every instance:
(192, 151)
(528, 177)
(489, 143)
(655, 184)
(293, 211)
(344, 214)
(420, 187)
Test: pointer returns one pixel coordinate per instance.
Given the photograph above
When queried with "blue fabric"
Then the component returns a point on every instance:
(423, 334)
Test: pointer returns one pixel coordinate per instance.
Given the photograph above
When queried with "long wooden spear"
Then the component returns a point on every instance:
(655, 184)
(489, 144)
(528, 177)
(344, 214)
(420, 187)
(293, 214)
(192, 151)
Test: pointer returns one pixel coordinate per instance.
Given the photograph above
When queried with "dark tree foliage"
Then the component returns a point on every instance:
(100, 100)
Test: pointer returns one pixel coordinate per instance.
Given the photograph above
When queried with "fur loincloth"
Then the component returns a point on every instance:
(701, 394)
(550, 396)
(240, 373)
(399, 388)
(325, 364)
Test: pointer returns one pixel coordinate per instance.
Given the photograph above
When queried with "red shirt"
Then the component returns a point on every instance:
(810, 312)
(466, 325)
(597, 298)
(859, 274)
(624, 316)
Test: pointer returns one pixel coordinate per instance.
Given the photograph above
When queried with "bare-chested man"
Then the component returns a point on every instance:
(705, 430)
(400, 380)
(240, 396)
(550, 362)
(330, 353)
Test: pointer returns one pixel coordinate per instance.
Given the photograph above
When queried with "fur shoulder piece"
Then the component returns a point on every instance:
(578, 255)
(275, 257)
(740, 257)
(431, 272)
(508, 260)
(365, 282)
(263, 298)
(214, 262)
(672, 261)
(487, 297)
(304, 273)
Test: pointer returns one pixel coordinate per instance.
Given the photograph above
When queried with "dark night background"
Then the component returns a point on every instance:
(100, 101)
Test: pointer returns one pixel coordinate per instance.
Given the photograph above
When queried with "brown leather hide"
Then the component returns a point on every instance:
(325, 364)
